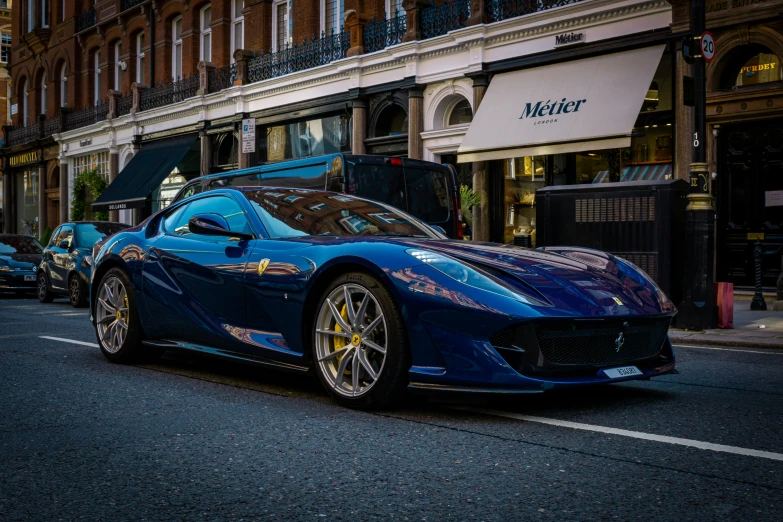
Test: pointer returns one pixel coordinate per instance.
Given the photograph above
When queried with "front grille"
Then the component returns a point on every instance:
(504, 338)
(598, 342)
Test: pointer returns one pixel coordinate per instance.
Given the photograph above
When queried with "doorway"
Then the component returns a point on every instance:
(749, 201)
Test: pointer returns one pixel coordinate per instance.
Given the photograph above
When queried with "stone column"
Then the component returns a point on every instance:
(64, 205)
(480, 172)
(478, 11)
(359, 130)
(206, 152)
(42, 203)
(354, 25)
(415, 122)
(114, 169)
(683, 122)
(242, 57)
(205, 69)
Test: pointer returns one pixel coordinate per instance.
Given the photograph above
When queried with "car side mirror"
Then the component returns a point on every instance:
(213, 225)
(63, 244)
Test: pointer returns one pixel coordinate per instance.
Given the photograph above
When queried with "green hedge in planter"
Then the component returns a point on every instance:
(97, 184)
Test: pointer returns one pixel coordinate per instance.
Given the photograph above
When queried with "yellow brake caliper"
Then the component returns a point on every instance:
(341, 342)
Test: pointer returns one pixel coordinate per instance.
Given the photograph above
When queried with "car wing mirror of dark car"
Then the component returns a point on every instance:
(64, 245)
(213, 225)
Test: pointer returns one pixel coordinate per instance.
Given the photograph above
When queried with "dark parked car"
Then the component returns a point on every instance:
(424, 189)
(19, 260)
(67, 260)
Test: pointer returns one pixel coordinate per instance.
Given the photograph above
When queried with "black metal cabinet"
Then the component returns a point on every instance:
(641, 222)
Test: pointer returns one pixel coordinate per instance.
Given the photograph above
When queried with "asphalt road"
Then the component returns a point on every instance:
(190, 438)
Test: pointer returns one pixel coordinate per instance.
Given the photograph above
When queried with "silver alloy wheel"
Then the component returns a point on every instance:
(74, 290)
(41, 287)
(112, 314)
(351, 340)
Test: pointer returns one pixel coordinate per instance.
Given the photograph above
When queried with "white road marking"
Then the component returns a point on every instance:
(769, 351)
(94, 345)
(633, 434)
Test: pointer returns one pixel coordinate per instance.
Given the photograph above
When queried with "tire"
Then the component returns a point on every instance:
(45, 295)
(77, 291)
(369, 343)
(115, 306)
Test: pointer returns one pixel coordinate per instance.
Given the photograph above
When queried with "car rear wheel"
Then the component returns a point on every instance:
(77, 292)
(360, 350)
(44, 294)
(117, 320)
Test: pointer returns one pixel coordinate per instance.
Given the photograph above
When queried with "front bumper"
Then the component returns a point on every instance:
(16, 280)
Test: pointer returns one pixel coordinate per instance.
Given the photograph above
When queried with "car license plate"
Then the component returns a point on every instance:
(29, 278)
(623, 371)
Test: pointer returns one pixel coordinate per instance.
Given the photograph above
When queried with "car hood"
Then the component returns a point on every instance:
(557, 280)
(24, 261)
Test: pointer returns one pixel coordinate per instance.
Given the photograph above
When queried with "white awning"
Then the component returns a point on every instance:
(575, 106)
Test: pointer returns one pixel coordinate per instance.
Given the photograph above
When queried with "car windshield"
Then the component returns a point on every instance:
(298, 212)
(87, 234)
(19, 245)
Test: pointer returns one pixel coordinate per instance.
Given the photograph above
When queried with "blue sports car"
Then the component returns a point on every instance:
(371, 299)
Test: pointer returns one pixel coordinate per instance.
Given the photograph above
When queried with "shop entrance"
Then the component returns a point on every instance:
(749, 200)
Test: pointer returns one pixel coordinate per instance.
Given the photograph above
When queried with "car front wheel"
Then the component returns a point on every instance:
(76, 292)
(44, 294)
(360, 349)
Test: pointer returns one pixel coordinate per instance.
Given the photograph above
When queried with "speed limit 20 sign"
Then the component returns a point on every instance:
(707, 46)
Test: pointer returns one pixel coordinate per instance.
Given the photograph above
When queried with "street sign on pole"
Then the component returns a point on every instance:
(707, 46)
(248, 135)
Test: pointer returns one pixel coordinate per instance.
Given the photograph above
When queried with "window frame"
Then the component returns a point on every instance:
(96, 77)
(275, 6)
(31, 15)
(45, 15)
(63, 86)
(5, 47)
(25, 103)
(325, 29)
(183, 205)
(43, 94)
(117, 68)
(140, 56)
(205, 32)
(237, 19)
(176, 47)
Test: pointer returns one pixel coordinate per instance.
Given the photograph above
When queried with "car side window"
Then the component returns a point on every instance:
(65, 234)
(177, 222)
(53, 239)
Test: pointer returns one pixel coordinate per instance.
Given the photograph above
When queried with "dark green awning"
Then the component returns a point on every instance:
(145, 172)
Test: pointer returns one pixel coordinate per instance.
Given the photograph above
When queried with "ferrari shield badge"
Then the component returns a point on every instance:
(262, 266)
(619, 303)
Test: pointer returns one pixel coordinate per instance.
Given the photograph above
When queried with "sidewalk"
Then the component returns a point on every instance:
(746, 330)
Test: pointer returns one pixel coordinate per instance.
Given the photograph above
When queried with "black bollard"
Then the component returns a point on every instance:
(758, 302)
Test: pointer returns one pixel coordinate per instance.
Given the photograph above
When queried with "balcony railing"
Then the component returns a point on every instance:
(168, 93)
(51, 125)
(128, 4)
(384, 33)
(222, 77)
(87, 116)
(124, 105)
(440, 19)
(85, 20)
(317, 52)
(498, 10)
(21, 135)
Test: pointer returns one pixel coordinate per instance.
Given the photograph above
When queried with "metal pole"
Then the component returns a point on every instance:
(758, 302)
(698, 311)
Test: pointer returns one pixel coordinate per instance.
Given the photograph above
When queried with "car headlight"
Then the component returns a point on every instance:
(87, 260)
(465, 274)
(641, 277)
(5, 268)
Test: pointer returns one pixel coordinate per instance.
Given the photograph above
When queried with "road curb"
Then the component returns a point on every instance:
(711, 341)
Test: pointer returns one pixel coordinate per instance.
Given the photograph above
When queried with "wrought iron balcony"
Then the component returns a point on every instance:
(168, 93)
(51, 126)
(85, 20)
(222, 77)
(21, 135)
(87, 116)
(384, 33)
(124, 105)
(440, 19)
(498, 10)
(128, 4)
(317, 52)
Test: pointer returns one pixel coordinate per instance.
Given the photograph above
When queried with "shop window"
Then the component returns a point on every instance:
(225, 152)
(98, 161)
(392, 121)
(461, 113)
(761, 68)
(206, 34)
(306, 138)
(27, 202)
(521, 178)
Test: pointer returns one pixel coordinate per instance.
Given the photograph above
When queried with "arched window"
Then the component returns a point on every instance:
(333, 15)
(63, 87)
(176, 48)
(237, 26)
(140, 58)
(393, 120)
(205, 19)
(461, 113)
(25, 103)
(747, 65)
(43, 94)
(96, 98)
(117, 67)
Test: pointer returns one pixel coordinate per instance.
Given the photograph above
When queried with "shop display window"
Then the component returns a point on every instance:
(761, 68)
(521, 178)
(304, 139)
(27, 191)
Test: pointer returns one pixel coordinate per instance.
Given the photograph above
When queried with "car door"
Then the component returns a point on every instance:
(193, 283)
(57, 260)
